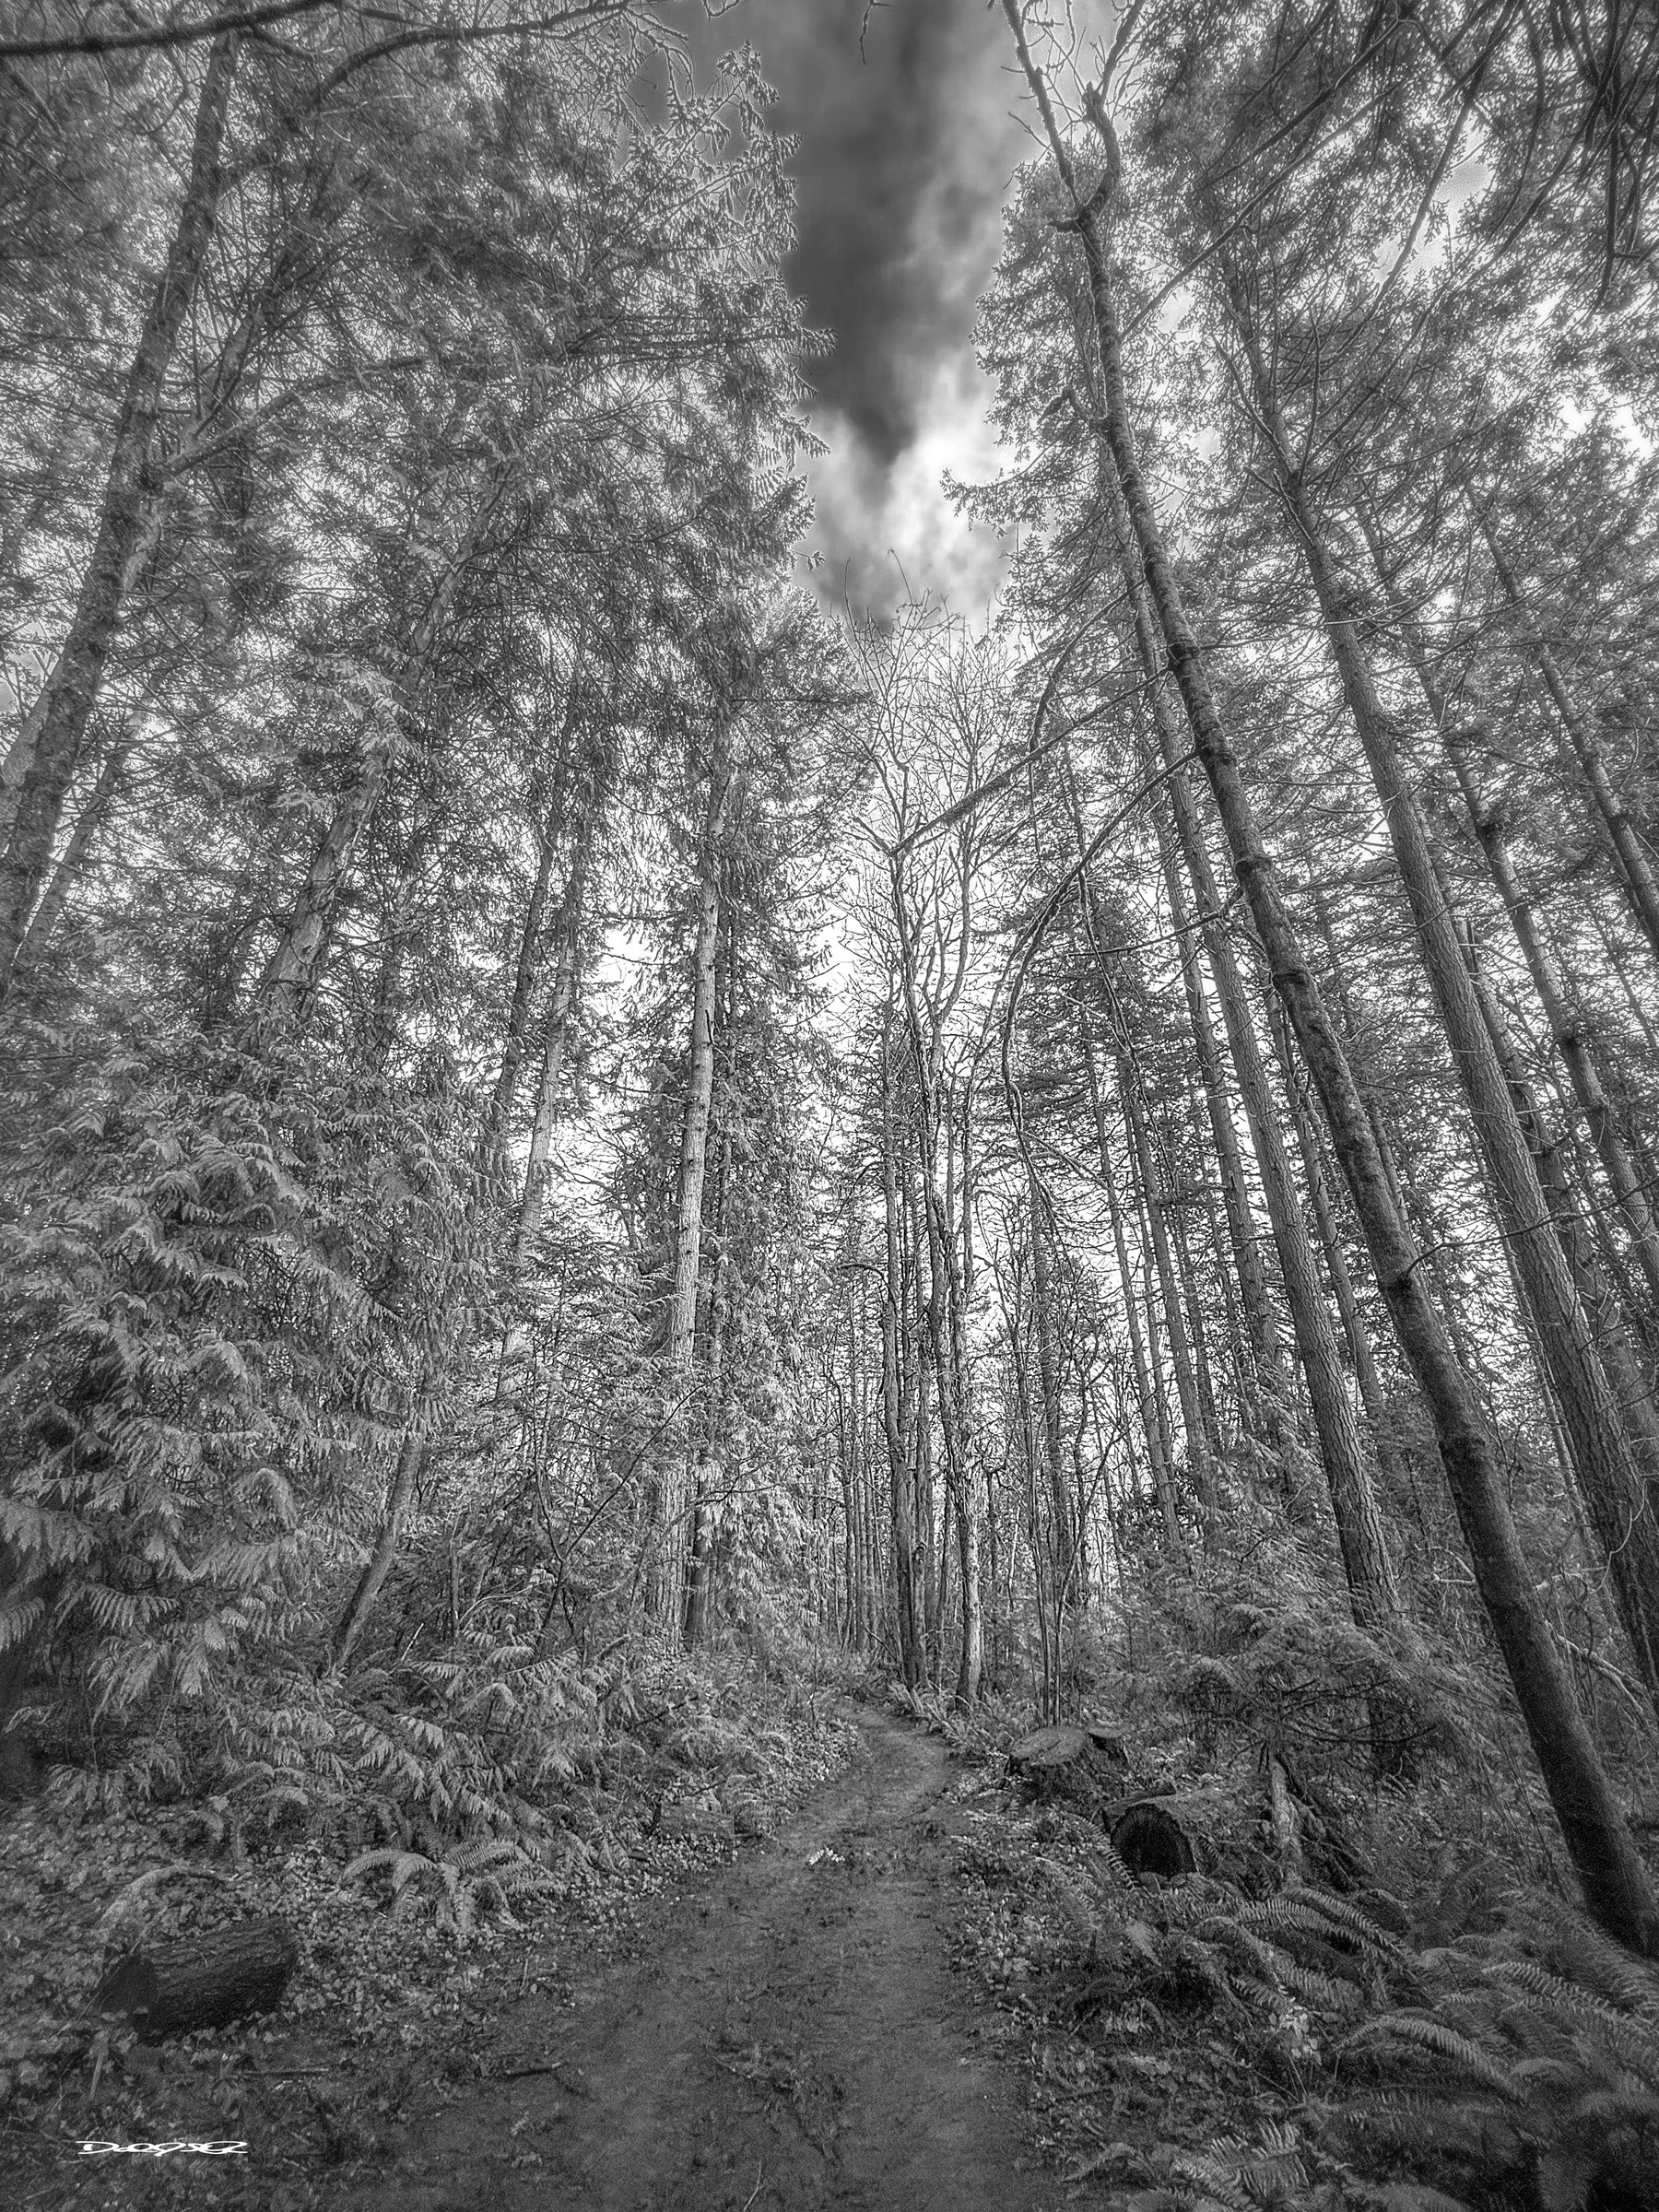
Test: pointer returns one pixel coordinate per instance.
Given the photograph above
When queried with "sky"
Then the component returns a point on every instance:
(908, 139)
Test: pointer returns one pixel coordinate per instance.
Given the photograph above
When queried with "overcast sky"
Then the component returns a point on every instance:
(906, 149)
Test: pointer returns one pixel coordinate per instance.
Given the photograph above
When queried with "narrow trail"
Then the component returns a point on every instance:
(782, 2038)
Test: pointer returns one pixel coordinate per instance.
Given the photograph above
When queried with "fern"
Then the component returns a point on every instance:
(1427, 2032)
(455, 1887)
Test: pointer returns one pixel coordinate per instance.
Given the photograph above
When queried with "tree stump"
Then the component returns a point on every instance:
(1108, 1744)
(1080, 1763)
(1152, 1838)
(201, 1980)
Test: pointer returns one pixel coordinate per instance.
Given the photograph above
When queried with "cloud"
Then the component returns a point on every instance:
(883, 528)
(906, 143)
(905, 151)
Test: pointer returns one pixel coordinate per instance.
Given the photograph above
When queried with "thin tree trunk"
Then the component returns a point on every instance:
(700, 1556)
(1175, 1213)
(561, 1002)
(943, 1313)
(934, 1565)
(940, 1314)
(1630, 858)
(893, 1307)
(36, 777)
(355, 1619)
(682, 1313)
(944, 1321)
(529, 948)
(922, 1461)
(679, 1316)
(1265, 1348)
(1367, 1564)
(69, 869)
(1175, 1316)
(292, 972)
(1150, 1398)
(1330, 1235)
(1487, 818)
(1048, 1376)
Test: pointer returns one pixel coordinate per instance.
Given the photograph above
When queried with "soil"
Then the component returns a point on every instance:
(785, 2036)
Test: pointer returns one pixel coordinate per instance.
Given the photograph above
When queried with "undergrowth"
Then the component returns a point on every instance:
(1399, 2012)
(1317, 2060)
(388, 1887)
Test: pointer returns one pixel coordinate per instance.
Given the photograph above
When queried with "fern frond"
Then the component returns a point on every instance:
(1317, 1911)
(1427, 2032)
(1595, 1959)
(1603, 2108)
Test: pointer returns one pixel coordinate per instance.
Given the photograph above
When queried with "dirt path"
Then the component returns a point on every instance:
(786, 2038)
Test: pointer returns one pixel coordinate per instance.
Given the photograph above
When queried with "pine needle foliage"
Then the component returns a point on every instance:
(1257, 1641)
(220, 1297)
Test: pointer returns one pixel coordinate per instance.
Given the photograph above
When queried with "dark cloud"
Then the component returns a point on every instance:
(903, 116)
(905, 146)
(905, 151)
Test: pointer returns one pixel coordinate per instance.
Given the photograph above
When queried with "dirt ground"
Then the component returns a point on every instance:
(776, 2031)
(783, 2037)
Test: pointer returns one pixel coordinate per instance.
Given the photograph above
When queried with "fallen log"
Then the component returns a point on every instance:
(1152, 1836)
(200, 1980)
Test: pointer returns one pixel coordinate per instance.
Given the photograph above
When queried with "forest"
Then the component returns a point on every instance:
(598, 1148)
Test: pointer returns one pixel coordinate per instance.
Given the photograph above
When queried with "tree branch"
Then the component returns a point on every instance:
(154, 37)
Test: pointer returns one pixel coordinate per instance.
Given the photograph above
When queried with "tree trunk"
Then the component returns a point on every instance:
(1631, 858)
(355, 1619)
(1180, 1343)
(893, 1309)
(39, 765)
(1598, 1428)
(561, 1002)
(1616, 1882)
(1459, 739)
(680, 1315)
(944, 1326)
(69, 869)
(529, 948)
(1176, 1213)
(1150, 1406)
(699, 1563)
(1367, 1564)
(1267, 1350)
(1048, 1376)
(943, 1311)
(1330, 1235)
